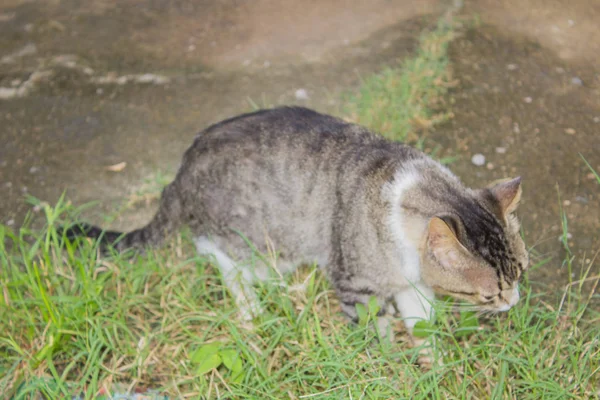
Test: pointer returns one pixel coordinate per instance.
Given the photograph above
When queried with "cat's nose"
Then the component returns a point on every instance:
(513, 298)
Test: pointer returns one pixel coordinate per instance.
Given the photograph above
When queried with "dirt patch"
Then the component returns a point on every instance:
(519, 105)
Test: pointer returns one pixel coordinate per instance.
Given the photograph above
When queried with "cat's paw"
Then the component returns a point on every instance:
(427, 355)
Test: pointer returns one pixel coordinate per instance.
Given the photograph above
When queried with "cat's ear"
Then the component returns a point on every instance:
(443, 242)
(508, 194)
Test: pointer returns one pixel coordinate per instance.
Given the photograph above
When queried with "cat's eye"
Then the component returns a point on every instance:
(487, 299)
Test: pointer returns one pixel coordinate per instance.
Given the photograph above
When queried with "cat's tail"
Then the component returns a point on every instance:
(167, 219)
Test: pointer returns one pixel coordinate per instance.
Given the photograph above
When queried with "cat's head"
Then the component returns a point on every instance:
(475, 251)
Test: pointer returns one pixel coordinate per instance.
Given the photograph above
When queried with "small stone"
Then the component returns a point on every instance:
(500, 150)
(490, 166)
(28, 28)
(10, 222)
(596, 119)
(15, 82)
(576, 81)
(512, 67)
(24, 189)
(516, 128)
(570, 131)
(478, 159)
(191, 47)
(99, 91)
(246, 63)
(571, 22)
(301, 94)
(581, 199)
(591, 175)
(566, 203)
(527, 99)
(267, 64)
(8, 185)
(37, 208)
(560, 70)
(33, 170)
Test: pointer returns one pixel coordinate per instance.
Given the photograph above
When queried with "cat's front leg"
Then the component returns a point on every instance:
(415, 303)
(383, 325)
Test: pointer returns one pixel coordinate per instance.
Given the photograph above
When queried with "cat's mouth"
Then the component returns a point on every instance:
(501, 302)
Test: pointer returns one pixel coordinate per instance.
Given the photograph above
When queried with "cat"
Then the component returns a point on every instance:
(379, 217)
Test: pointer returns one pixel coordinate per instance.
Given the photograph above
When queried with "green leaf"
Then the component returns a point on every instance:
(232, 360)
(237, 377)
(207, 357)
(467, 325)
(205, 351)
(361, 311)
(208, 364)
(423, 329)
(373, 306)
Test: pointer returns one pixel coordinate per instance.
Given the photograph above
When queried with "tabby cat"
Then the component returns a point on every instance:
(379, 217)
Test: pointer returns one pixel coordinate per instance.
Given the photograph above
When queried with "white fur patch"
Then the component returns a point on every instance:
(393, 192)
(208, 247)
(238, 279)
(415, 304)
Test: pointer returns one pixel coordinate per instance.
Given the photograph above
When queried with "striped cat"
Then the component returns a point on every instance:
(380, 218)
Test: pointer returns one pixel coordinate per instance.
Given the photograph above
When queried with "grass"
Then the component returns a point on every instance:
(405, 99)
(74, 323)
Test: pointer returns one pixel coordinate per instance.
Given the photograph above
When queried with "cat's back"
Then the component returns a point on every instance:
(286, 169)
(296, 136)
(286, 125)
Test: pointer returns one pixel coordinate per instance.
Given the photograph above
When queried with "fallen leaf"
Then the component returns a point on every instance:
(117, 167)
